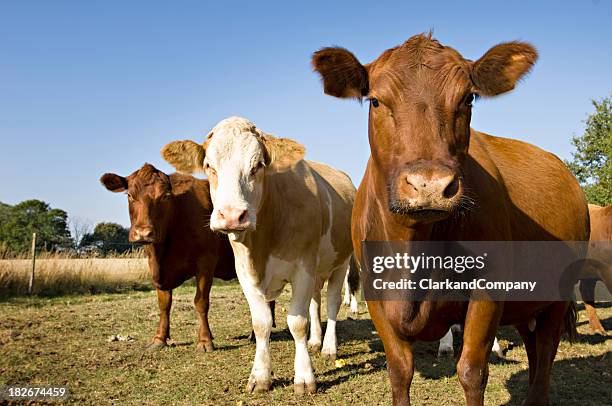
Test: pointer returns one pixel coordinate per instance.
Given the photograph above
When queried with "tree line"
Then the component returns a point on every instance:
(56, 232)
(591, 163)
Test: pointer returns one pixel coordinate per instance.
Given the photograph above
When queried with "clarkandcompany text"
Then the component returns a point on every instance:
(447, 284)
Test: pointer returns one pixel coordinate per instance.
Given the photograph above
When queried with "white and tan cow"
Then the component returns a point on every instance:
(288, 220)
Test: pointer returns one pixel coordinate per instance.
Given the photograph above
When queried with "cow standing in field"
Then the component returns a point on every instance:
(169, 215)
(601, 230)
(288, 221)
(430, 177)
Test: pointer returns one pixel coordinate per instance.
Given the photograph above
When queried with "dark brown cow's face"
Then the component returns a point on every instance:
(421, 96)
(150, 195)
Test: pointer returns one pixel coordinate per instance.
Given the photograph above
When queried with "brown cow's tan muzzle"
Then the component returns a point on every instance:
(142, 235)
(426, 192)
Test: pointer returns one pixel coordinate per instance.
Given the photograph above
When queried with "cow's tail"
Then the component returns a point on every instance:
(571, 316)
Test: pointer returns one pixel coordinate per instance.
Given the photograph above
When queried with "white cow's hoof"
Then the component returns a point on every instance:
(258, 386)
(328, 355)
(314, 346)
(304, 388)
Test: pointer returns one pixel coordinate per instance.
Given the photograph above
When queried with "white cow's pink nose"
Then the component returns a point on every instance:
(231, 218)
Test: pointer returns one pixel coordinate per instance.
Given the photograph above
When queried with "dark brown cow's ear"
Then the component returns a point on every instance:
(342, 74)
(185, 156)
(113, 182)
(502, 67)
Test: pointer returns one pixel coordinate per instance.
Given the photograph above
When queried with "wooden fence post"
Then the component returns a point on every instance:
(31, 285)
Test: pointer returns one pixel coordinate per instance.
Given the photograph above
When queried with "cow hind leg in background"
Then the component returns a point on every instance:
(543, 344)
(164, 301)
(351, 286)
(334, 299)
(316, 333)
(445, 349)
(202, 303)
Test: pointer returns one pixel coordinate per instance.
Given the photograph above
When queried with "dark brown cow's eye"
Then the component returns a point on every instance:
(374, 102)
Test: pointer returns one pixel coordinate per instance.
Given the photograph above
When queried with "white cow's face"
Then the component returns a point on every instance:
(234, 162)
(235, 157)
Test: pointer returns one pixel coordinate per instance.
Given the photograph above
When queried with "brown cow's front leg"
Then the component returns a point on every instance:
(549, 326)
(587, 291)
(398, 353)
(164, 300)
(202, 303)
(479, 332)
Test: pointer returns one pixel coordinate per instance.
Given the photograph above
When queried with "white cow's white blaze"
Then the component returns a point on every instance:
(232, 152)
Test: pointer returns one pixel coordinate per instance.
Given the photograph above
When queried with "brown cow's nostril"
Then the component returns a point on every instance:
(452, 188)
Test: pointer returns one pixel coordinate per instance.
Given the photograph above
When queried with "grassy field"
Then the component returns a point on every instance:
(64, 340)
(56, 275)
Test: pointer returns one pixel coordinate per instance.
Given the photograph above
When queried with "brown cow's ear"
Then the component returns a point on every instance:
(185, 156)
(281, 153)
(342, 74)
(113, 182)
(502, 67)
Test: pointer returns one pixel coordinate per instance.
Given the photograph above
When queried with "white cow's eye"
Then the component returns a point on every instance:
(256, 168)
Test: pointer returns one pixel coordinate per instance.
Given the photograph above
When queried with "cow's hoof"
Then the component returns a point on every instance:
(599, 331)
(304, 388)
(205, 346)
(328, 355)
(255, 386)
(155, 345)
(314, 347)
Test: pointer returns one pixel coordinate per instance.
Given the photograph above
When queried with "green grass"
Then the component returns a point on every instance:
(63, 340)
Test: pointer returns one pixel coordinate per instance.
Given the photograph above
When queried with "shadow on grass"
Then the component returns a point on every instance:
(577, 381)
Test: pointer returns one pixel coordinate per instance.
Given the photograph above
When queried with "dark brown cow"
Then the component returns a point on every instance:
(431, 177)
(601, 230)
(169, 214)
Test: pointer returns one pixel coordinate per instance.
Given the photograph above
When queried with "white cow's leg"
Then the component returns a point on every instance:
(446, 345)
(354, 304)
(347, 292)
(260, 379)
(314, 342)
(334, 292)
(497, 350)
(302, 290)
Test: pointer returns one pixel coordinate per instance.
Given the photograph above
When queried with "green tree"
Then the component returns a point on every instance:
(108, 237)
(17, 223)
(592, 161)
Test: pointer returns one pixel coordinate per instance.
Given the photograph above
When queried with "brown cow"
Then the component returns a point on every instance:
(169, 214)
(431, 177)
(601, 230)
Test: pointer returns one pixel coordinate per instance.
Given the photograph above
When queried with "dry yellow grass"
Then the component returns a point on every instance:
(58, 275)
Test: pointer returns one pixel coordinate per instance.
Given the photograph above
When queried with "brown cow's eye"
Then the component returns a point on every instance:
(374, 102)
(469, 100)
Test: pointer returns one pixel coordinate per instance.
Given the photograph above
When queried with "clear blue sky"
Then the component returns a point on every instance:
(88, 87)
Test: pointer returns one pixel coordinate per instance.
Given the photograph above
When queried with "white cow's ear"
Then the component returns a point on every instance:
(185, 156)
(282, 153)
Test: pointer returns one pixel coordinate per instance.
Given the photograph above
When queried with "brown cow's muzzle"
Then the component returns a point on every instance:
(426, 192)
(142, 235)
